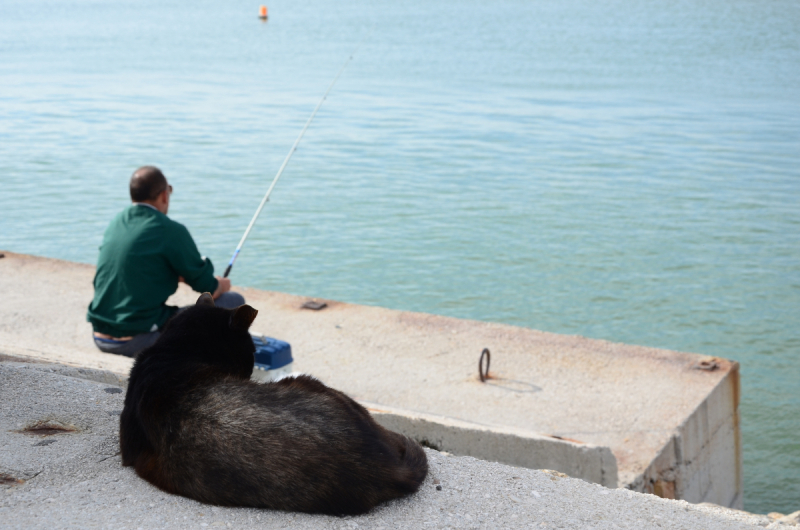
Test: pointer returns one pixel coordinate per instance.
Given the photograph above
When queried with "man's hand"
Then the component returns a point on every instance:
(223, 287)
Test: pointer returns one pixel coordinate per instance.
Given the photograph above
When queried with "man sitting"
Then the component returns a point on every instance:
(143, 257)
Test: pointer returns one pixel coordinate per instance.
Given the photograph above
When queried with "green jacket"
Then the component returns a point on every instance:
(142, 255)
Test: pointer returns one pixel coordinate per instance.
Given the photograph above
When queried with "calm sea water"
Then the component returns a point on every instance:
(620, 170)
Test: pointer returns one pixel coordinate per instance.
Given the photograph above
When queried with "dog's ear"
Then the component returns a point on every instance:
(205, 299)
(242, 317)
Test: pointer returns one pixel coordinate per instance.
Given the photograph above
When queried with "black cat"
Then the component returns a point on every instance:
(195, 425)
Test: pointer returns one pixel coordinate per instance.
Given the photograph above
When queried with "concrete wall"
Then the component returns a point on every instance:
(505, 445)
(702, 462)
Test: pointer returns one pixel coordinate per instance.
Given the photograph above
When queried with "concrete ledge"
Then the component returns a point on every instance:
(502, 444)
(702, 461)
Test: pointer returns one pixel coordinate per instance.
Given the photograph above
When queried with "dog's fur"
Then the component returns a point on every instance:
(195, 425)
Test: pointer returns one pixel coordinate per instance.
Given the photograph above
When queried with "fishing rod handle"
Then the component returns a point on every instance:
(231, 262)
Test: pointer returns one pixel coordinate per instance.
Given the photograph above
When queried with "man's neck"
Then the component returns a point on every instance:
(146, 204)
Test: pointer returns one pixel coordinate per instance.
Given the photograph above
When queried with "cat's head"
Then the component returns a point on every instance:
(214, 335)
(239, 319)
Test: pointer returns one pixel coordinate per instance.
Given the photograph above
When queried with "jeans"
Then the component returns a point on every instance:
(132, 347)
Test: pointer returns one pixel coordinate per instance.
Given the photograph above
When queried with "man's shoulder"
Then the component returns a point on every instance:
(123, 220)
(175, 225)
(140, 218)
(174, 232)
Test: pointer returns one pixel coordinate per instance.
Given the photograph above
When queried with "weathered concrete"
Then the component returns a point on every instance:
(502, 444)
(671, 424)
(75, 480)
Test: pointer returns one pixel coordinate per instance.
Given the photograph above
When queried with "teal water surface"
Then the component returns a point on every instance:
(620, 170)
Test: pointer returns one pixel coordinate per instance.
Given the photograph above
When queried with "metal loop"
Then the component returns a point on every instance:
(484, 374)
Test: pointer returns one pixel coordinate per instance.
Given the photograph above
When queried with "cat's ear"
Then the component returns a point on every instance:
(242, 317)
(205, 299)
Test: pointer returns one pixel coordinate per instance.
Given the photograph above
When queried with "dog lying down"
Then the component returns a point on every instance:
(195, 425)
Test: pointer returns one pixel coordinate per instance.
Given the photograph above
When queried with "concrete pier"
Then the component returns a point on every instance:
(649, 420)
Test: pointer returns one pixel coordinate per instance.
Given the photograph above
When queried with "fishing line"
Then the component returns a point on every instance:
(286, 161)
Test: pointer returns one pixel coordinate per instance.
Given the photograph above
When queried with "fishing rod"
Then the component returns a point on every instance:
(283, 166)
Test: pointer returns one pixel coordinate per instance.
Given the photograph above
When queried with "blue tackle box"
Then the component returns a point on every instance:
(273, 357)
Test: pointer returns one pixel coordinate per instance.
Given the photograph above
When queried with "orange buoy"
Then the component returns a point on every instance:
(262, 12)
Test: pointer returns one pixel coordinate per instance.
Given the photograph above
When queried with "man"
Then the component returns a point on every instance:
(143, 257)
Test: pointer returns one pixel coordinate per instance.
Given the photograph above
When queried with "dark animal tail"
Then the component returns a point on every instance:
(415, 465)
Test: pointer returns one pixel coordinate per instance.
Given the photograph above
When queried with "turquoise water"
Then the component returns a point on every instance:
(619, 170)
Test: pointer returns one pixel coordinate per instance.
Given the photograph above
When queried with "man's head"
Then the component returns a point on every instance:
(148, 185)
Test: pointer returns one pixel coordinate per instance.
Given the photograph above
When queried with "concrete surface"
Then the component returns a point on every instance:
(502, 444)
(670, 419)
(75, 480)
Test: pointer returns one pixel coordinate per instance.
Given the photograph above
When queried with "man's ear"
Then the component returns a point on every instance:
(242, 317)
(205, 299)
